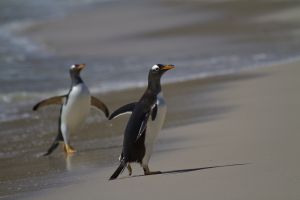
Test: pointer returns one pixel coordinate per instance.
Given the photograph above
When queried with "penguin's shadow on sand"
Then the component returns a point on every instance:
(180, 171)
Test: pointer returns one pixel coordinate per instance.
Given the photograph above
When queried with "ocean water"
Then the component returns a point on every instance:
(28, 71)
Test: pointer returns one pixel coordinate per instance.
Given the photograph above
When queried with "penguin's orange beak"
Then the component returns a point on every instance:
(167, 67)
(80, 66)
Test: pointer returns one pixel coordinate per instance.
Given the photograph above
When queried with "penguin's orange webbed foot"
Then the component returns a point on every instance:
(69, 149)
(152, 173)
(148, 172)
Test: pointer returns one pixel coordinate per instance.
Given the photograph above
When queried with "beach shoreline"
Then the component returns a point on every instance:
(247, 153)
(226, 125)
(100, 144)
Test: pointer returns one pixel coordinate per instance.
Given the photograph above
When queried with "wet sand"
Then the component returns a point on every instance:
(249, 152)
(99, 141)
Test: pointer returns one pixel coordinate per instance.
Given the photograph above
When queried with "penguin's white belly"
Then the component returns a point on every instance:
(76, 109)
(154, 127)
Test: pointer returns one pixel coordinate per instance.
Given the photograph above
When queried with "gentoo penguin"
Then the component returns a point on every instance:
(75, 107)
(141, 131)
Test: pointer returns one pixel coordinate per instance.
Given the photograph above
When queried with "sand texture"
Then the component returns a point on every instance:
(249, 152)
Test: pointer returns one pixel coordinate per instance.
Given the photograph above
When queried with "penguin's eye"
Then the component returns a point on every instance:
(155, 68)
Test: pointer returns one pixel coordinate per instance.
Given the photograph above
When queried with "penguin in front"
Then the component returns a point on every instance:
(145, 122)
(75, 107)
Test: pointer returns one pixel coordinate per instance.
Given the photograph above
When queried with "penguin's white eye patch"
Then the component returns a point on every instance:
(155, 68)
(73, 66)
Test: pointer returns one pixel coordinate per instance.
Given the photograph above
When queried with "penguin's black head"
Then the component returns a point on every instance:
(159, 69)
(76, 68)
(155, 74)
(75, 73)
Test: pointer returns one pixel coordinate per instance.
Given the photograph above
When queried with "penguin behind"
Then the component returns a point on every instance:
(75, 107)
(144, 123)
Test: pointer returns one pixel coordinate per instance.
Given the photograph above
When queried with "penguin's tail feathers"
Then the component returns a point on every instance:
(119, 170)
(54, 144)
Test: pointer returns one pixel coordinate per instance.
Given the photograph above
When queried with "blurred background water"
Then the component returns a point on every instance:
(29, 71)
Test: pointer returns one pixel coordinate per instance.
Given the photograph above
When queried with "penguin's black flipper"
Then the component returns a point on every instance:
(154, 112)
(57, 100)
(55, 144)
(128, 108)
(143, 127)
(100, 105)
(119, 170)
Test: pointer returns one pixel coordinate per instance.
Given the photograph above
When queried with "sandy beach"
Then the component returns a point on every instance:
(232, 127)
(249, 152)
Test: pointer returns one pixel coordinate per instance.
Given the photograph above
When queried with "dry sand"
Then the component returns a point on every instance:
(250, 152)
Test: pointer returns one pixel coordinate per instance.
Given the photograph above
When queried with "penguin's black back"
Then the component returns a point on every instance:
(133, 144)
